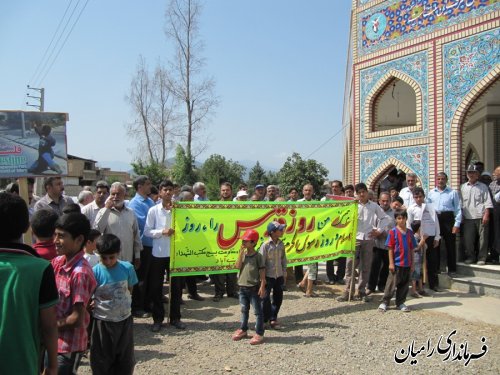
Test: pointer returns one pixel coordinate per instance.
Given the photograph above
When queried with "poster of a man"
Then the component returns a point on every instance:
(32, 143)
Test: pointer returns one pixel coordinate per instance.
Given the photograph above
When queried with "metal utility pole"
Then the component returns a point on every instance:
(40, 99)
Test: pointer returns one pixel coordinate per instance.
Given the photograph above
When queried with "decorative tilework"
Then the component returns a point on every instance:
(466, 62)
(407, 19)
(414, 158)
(414, 66)
(363, 2)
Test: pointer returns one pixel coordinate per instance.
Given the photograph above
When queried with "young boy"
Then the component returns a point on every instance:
(417, 288)
(273, 252)
(401, 243)
(112, 342)
(252, 283)
(90, 248)
(28, 296)
(43, 225)
(75, 283)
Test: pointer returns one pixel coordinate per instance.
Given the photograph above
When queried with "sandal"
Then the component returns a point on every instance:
(312, 295)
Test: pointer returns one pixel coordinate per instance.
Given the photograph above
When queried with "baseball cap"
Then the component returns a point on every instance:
(259, 186)
(250, 235)
(274, 226)
(473, 168)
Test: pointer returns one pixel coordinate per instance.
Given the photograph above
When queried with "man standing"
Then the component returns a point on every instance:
(100, 196)
(119, 220)
(225, 282)
(407, 192)
(200, 191)
(380, 263)
(54, 199)
(271, 193)
(475, 203)
(140, 204)
(446, 203)
(495, 191)
(336, 189)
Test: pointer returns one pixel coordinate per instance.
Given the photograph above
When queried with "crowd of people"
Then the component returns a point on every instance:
(96, 264)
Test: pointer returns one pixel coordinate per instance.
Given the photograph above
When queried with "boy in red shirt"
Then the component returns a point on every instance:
(75, 282)
(401, 243)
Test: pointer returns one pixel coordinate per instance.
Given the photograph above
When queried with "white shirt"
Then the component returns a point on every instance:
(158, 219)
(370, 216)
(407, 196)
(90, 210)
(429, 223)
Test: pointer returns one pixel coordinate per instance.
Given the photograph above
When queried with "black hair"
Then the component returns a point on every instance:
(140, 180)
(13, 187)
(71, 208)
(43, 223)
(108, 244)
(349, 187)
(93, 234)
(166, 183)
(400, 213)
(415, 225)
(337, 182)
(102, 184)
(399, 199)
(48, 181)
(14, 217)
(360, 186)
(418, 190)
(46, 129)
(154, 189)
(76, 224)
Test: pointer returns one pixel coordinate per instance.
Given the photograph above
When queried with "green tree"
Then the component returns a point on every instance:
(155, 171)
(182, 170)
(257, 175)
(296, 172)
(217, 170)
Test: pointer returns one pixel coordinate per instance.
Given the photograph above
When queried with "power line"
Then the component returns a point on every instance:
(51, 41)
(64, 43)
(328, 140)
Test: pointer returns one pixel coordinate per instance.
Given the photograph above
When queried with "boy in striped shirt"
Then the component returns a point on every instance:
(401, 243)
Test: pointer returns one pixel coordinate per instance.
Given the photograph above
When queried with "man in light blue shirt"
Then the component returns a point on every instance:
(140, 204)
(446, 203)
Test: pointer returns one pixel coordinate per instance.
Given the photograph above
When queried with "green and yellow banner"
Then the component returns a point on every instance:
(207, 234)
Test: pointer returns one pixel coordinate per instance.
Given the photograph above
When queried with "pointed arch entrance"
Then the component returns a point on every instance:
(374, 180)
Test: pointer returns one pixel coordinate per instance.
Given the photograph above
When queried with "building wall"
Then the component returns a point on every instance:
(448, 52)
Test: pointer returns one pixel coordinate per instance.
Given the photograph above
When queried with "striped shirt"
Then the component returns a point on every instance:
(402, 245)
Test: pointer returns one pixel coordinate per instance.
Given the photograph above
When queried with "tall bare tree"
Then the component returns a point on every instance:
(186, 68)
(153, 102)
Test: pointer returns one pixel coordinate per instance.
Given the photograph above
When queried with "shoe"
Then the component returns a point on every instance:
(468, 261)
(196, 297)
(343, 298)
(156, 327)
(303, 289)
(141, 314)
(340, 282)
(239, 334)
(274, 324)
(368, 292)
(312, 295)
(423, 293)
(415, 295)
(256, 340)
(178, 324)
(481, 263)
(235, 296)
(217, 298)
(382, 307)
(366, 298)
(436, 289)
(331, 282)
(452, 274)
(404, 308)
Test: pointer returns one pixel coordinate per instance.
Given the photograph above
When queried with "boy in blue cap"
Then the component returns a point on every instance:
(274, 255)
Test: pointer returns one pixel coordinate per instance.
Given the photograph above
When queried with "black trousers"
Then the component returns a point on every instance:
(226, 282)
(159, 267)
(399, 280)
(432, 257)
(446, 222)
(299, 273)
(379, 269)
(330, 274)
(191, 285)
(140, 291)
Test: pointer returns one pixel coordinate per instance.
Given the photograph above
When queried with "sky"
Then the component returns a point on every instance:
(279, 68)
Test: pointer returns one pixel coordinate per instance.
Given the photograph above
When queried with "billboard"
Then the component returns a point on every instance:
(32, 144)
